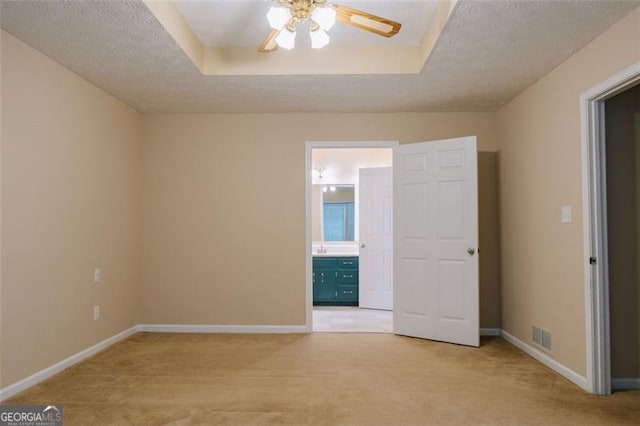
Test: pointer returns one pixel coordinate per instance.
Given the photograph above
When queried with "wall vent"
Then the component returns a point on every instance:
(542, 338)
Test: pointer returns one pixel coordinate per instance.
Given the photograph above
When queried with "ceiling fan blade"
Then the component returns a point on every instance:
(269, 43)
(366, 21)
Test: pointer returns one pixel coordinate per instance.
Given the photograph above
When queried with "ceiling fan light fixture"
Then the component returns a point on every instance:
(278, 17)
(319, 38)
(324, 16)
(321, 17)
(286, 39)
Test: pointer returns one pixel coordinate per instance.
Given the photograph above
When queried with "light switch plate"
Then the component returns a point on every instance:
(96, 275)
(96, 313)
(566, 214)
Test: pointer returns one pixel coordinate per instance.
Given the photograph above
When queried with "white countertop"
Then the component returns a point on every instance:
(334, 255)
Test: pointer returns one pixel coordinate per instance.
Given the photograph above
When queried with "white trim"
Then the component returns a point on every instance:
(44, 374)
(490, 332)
(309, 146)
(625, 384)
(211, 328)
(594, 226)
(547, 360)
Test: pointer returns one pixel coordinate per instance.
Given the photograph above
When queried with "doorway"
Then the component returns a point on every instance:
(339, 260)
(622, 153)
(610, 183)
(435, 240)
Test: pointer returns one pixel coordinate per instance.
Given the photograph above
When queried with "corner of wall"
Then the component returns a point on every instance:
(540, 169)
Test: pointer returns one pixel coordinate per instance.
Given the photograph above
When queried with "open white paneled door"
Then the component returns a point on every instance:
(435, 199)
(376, 238)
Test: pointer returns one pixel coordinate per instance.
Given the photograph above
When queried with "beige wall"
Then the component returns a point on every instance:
(622, 224)
(70, 194)
(220, 246)
(540, 171)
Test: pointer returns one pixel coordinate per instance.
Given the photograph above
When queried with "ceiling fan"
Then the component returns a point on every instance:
(321, 16)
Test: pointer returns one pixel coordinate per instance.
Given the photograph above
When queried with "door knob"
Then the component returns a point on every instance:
(362, 245)
(471, 251)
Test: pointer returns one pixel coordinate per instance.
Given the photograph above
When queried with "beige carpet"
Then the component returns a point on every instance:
(321, 378)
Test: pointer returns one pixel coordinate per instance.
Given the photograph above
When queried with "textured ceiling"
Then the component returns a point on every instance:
(245, 23)
(488, 52)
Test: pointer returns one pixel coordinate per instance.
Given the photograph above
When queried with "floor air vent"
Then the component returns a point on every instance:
(541, 338)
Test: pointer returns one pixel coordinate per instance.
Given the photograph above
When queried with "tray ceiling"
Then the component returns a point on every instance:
(488, 52)
(243, 23)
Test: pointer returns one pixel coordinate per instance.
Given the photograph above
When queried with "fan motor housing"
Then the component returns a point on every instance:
(301, 9)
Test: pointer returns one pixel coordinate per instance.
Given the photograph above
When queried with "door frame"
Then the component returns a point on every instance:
(309, 146)
(594, 211)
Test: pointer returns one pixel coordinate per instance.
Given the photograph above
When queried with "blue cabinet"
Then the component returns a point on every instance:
(335, 281)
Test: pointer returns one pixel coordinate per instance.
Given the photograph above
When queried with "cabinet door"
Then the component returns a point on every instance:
(324, 287)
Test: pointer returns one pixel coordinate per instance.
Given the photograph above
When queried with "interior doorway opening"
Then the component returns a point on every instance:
(434, 238)
(622, 153)
(349, 237)
(610, 118)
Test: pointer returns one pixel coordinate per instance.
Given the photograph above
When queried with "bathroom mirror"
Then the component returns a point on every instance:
(338, 212)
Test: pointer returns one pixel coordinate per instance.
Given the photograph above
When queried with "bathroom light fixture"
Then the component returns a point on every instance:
(319, 170)
(332, 188)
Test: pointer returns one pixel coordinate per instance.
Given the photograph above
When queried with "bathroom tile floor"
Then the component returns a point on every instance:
(351, 319)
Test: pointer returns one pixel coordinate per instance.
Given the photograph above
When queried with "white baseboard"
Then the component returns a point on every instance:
(548, 361)
(206, 328)
(41, 375)
(625, 384)
(490, 331)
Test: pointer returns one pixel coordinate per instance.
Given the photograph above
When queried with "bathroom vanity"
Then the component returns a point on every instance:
(335, 280)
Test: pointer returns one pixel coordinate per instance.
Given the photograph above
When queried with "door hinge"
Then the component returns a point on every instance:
(592, 260)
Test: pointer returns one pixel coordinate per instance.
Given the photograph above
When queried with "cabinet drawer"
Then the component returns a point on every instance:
(348, 293)
(324, 262)
(347, 277)
(347, 263)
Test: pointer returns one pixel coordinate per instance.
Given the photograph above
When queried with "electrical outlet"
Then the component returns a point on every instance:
(96, 312)
(96, 275)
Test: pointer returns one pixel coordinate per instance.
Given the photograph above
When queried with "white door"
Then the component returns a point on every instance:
(376, 238)
(435, 195)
